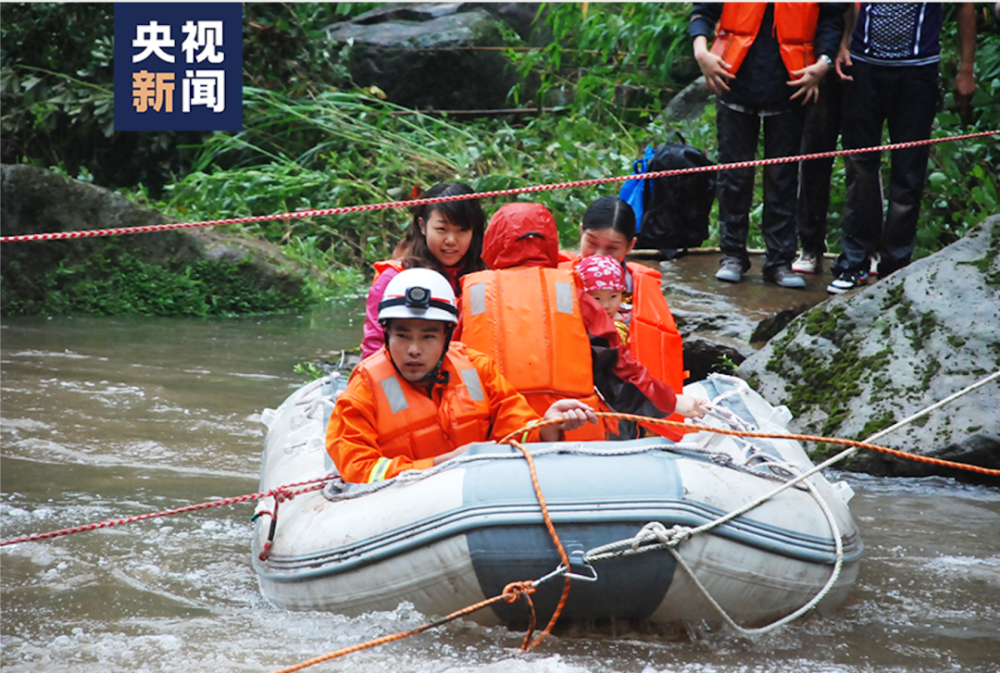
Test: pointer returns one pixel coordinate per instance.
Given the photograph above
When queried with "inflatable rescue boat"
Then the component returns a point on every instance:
(708, 528)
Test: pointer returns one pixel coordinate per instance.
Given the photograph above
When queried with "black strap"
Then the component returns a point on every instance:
(434, 303)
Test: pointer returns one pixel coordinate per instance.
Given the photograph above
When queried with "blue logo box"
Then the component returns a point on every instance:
(179, 66)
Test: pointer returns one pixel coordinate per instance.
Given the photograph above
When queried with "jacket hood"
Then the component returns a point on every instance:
(521, 234)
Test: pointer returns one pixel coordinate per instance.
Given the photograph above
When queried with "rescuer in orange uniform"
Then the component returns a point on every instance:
(551, 339)
(423, 398)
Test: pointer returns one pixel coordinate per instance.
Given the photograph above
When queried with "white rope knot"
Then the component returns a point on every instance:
(656, 531)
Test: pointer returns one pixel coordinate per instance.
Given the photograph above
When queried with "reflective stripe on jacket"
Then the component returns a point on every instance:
(794, 25)
(407, 421)
(528, 319)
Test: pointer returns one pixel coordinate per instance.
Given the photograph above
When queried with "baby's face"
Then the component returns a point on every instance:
(610, 300)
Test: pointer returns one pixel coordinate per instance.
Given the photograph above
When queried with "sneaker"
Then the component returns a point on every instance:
(730, 270)
(847, 281)
(873, 263)
(785, 277)
(808, 262)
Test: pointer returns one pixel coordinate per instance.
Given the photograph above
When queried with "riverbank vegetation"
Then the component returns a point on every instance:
(314, 138)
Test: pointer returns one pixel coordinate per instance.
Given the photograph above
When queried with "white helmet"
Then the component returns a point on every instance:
(418, 293)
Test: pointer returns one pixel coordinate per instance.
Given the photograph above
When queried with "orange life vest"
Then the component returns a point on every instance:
(528, 319)
(654, 339)
(383, 265)
(794, 25)
(408, 422)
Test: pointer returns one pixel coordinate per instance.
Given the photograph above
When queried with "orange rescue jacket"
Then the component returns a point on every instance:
(794, 25)
(528, 319)
(408, 423)
(654, 339)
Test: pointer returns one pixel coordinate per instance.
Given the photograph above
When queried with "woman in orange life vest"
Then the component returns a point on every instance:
(422, 398)
(446, 237)
(608, 228)
(548, 336)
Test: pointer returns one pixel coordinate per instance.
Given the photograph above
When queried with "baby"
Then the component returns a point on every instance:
(604, 279)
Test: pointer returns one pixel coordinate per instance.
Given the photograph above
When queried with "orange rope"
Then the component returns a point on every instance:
(511, 593)
(563, 557)
(766, 435)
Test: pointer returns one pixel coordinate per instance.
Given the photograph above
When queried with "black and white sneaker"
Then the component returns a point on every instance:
(847, 281)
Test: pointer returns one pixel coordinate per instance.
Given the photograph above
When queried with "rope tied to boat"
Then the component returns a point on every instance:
(280, 494)
(563, 556)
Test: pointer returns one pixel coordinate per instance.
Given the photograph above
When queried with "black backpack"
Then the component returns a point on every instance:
(676, 208)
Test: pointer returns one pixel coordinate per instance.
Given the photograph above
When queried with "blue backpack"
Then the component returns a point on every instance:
(634, 192)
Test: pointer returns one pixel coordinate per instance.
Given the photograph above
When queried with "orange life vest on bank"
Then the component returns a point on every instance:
(528, 319)
(408, 422)
(794, 25)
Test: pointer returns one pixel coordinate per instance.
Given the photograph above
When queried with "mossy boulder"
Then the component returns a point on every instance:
(858, 363)
(181, 272)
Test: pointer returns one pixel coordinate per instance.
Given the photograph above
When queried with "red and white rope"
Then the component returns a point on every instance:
(286, 492)
(325, 212)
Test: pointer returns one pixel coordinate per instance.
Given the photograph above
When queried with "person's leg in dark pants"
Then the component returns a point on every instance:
(918, 86)
(819, 134)
(737, 135)
(864, 112)
(782, 138)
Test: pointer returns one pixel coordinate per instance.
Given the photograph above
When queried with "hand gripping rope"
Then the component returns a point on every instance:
(479, 195)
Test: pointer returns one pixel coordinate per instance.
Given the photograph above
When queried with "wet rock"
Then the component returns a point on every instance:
(34, 200)
(770, 327)
(523, 17)
(704, 356)
(858, 363)
(724, 322)
(690, 103)
(419, 55)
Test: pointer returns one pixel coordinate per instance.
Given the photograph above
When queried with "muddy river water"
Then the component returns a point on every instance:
(103, 418)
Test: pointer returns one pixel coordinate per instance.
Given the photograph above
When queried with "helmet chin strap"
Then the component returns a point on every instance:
(439, 376)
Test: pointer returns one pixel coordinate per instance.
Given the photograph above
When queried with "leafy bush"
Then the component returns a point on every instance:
(611, 61)
(312, 140)
(57, 94)
(120, 284)
(351, 148)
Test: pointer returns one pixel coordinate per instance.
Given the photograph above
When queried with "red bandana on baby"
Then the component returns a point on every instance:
(601, 272)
